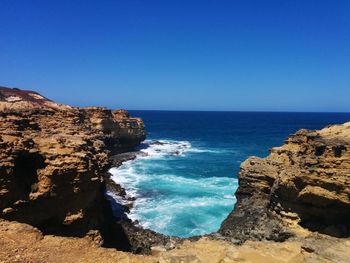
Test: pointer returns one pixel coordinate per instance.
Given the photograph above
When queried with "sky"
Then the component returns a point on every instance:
(244, 55)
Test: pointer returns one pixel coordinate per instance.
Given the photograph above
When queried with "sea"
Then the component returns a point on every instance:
(184, 181)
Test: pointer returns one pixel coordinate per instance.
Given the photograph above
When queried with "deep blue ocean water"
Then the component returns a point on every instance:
(185, 183)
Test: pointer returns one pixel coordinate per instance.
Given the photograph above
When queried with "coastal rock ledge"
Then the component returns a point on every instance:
(53, 160)
(301, 186)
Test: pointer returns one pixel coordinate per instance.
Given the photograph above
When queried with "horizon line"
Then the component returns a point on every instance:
(243, 111)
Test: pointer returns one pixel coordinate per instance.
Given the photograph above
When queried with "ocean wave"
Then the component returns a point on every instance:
(167, 199)
(161, 148)
(130, 175)
(186, 217)
(203, 150)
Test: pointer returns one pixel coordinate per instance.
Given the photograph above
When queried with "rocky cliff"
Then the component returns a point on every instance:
(301, 186)
(53, 165)
(53, 159)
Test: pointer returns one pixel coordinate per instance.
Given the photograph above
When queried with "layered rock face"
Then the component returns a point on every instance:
(53, 159)
(302, 185)
(120, 131)
(53, 162)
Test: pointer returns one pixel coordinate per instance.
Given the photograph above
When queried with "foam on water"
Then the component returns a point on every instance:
(168, 199)
(159, 148)
(185, 185)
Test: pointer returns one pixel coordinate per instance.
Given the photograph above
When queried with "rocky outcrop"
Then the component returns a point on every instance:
(301, 186)
(16, 99)
(120, 131)
(23, 243)
(53, 165)
(53, 159)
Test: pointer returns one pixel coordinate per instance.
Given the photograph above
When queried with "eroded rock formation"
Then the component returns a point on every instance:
(302, 185)
(53, 159)
(53, 163)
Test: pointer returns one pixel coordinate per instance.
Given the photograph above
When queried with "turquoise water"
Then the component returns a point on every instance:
(185, 181)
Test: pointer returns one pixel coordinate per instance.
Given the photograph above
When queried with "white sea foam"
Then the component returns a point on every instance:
(164, 198)
(160, 148)
(200, 150)
(230, 197)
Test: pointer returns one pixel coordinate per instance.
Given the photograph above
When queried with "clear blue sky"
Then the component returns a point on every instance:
(282, 55)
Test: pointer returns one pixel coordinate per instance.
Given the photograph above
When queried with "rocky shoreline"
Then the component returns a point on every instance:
(54, 162)
(54, 169)
(142, 241)
(301, 186)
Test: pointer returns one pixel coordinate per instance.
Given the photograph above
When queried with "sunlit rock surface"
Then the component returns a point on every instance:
(53, 159)
(301, 186)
